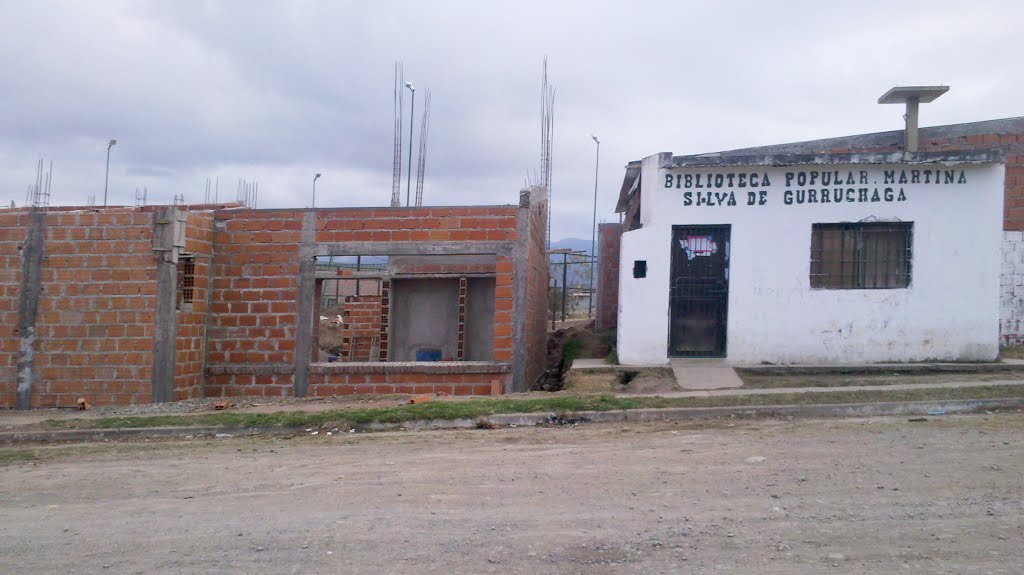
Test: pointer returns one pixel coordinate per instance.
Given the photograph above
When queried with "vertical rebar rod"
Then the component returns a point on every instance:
(565, 269)
(593, 233)
(424, 135)
(408, 176)
(396, 174)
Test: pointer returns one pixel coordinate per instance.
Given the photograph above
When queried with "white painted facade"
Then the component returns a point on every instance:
(951, 311)
(1011, 313)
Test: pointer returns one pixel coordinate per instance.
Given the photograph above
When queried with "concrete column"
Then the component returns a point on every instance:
(28, 305)
(912, 115)
(168, 240)
(304, 304)
(166, 328)
(520, 285)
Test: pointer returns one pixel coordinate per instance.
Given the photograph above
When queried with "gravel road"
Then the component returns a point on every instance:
(883, 495)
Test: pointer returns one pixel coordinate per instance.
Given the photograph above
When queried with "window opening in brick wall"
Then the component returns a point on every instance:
(875, 255)
(186, 281)
(392, 308)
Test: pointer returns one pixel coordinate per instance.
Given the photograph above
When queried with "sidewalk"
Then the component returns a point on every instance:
(834, 389)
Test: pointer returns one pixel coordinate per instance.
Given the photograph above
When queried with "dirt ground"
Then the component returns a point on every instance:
(883, 495)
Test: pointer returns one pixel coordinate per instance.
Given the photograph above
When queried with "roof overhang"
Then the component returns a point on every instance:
(630, 183)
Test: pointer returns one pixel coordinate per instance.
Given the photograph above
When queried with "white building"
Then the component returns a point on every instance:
(812, 258)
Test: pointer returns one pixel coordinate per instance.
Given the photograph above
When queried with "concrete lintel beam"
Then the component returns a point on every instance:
(415, 248)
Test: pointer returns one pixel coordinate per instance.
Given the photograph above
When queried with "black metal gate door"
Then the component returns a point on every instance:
(699, 291)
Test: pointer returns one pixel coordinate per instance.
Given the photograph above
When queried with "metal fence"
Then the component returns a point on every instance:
(571, 292)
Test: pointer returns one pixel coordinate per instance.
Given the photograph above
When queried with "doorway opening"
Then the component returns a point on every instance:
(699, 291)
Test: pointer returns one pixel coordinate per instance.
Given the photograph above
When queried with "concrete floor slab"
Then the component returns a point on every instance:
(703, 374)
(589, 363)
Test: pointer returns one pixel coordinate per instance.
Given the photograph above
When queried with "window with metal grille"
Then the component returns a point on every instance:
(186, 279)
(874, 255)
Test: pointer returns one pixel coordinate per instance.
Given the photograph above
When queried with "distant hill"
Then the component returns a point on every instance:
(579, 274)
(575, 244)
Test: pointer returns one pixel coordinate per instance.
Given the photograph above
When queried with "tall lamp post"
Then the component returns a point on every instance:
(412, 110)
(593, 231)
(315, 178)
(106, 177)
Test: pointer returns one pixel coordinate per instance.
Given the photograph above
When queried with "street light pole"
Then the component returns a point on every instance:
(412, 111)
(106, 177)
(593, 231)
(315, 178)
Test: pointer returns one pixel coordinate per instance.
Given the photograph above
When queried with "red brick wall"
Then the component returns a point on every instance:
(361, 324)
(255, 283)
(97, 310)
(97, 304)
(253, 310)
(249, 385)
(12, 235)
(329, 384)
(485, 223)
(504, 276)
(607, 297)
(331, 380)
(189, 354)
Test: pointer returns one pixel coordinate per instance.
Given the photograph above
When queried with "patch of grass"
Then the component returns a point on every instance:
(1011, 352)
(12, 456)
(570, 351)
(482, 407)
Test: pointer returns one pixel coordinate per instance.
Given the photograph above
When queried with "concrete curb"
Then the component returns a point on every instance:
(946, 407)
(883, 368)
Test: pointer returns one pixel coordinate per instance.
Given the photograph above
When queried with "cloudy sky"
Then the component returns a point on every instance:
(276, 91)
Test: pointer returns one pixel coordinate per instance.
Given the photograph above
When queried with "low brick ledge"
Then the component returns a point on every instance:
(371, 367)
(400, 367)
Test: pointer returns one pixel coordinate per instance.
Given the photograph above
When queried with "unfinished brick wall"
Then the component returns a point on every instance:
(360, 328)
(190, 344)
(99, 289)
(607, 296)
(479, 223)
(95, 321)
(12, 234)
(253, 312)
(255, 266)
(340, 379)
(253, 296)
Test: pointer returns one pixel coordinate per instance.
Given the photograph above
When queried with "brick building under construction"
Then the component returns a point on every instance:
(131, 305)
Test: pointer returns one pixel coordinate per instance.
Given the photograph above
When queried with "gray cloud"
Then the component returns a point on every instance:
(274, 91)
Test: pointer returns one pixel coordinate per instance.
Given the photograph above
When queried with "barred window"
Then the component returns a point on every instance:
(873, 255)
(186, 279)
